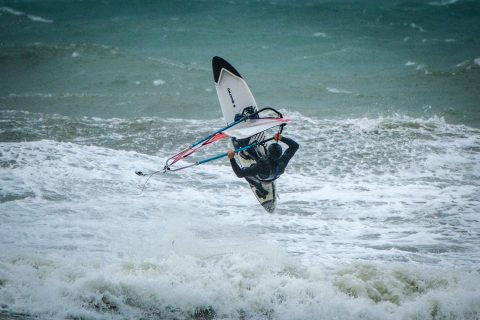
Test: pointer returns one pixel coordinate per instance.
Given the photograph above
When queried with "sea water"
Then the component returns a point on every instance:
(378, 212)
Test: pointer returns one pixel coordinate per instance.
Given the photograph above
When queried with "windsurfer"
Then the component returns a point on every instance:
(268, 168)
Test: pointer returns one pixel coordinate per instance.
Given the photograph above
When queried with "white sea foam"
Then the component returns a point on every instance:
(335, 90)
(176, 64)
(417, 27)
(11, 11)
(158, 82)
(377, 219)
(231, 285)
(320, 34)
(467, 66)
(477, 61)
(39, 19)
(442, 2)
(29, 16)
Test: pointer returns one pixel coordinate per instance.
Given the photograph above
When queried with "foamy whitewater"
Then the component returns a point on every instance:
(378, 212)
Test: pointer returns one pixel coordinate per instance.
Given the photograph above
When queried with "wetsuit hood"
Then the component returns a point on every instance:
(274, 151)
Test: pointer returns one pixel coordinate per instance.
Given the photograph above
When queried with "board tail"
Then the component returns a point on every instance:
(218, 64)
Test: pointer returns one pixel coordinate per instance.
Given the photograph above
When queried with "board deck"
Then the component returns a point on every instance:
(235, 96)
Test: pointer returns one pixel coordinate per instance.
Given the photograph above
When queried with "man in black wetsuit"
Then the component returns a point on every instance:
(269, 168)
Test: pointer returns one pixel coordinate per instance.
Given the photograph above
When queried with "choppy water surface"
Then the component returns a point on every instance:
(378, 215)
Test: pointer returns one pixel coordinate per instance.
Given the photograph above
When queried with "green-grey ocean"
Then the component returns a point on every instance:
(378, 215)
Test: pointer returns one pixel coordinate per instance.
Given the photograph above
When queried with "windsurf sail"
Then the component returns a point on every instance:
(193, 148)
(253, 126)
(245, 127)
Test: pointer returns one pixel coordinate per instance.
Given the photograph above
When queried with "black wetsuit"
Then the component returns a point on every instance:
(266, 170)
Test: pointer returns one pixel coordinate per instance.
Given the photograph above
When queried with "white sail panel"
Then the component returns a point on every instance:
(253, 126)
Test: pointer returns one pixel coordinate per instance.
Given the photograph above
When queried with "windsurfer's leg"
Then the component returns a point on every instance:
(258, 185)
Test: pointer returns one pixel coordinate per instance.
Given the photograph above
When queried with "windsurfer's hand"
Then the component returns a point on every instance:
(230, 154)
(277, 136)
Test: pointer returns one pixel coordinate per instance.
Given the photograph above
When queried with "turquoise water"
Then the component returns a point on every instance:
(377, 216)
(322, 58)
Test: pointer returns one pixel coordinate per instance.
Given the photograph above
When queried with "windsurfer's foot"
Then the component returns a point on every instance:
(261, 193)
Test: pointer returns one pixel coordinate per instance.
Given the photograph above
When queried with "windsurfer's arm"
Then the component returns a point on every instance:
(241, 172)
(292, 148)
